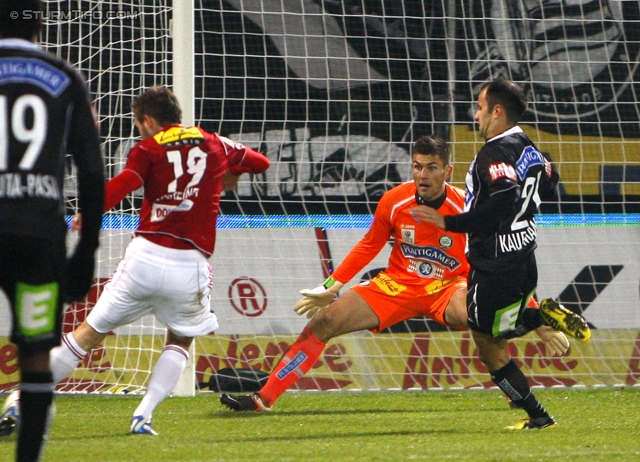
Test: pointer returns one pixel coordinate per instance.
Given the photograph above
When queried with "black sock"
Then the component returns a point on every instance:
(36, 396)
(514, 383)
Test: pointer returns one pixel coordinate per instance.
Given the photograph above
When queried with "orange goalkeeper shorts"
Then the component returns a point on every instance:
(394, 302)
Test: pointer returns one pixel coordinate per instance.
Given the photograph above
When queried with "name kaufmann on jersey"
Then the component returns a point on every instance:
(517, 240)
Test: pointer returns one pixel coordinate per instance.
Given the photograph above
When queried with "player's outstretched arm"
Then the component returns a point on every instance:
(358, 257)
(250, 161)
(119, 186)
(317, 298)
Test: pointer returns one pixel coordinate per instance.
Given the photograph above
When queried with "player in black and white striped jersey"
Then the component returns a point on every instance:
(505, 184)
(45, 112)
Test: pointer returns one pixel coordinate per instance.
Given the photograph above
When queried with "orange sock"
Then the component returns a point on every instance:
(296, 362)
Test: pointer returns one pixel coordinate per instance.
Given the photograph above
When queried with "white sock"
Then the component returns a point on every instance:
(164, 378)
(64, 359)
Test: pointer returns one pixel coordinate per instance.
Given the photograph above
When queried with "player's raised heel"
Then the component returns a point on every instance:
(252, 402)
(564, 320)
(141, 427)
(533, 424)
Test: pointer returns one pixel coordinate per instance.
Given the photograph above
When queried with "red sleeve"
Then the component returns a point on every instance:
(252, 162)
(118, 187)
(241, 158)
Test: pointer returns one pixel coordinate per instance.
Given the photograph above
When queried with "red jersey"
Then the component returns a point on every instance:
(181, 170)
(421, 252)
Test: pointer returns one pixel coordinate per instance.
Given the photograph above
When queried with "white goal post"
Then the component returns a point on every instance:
(334, 93)
(182, 34)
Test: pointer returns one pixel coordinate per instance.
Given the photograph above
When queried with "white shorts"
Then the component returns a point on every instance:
(174, 285)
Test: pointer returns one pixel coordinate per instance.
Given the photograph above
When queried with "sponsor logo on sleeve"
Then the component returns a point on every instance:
(530, 157)
(500, 170)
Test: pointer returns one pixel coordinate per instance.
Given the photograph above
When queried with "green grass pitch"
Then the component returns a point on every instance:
(594, 425)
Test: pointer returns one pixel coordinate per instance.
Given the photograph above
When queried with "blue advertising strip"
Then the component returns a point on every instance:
(123, 222)
(587, 219)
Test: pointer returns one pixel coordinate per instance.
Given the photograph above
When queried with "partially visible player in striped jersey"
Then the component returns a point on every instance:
(164, 270)
(426, 275)
(45, 113)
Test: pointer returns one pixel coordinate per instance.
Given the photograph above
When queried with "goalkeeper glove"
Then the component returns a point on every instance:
(556, 342)
(317, 298)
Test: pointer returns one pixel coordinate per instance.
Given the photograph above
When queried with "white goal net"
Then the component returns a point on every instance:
(334, 92)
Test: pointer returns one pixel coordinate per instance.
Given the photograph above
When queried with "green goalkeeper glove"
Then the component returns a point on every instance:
(317, 298)
(556, 342)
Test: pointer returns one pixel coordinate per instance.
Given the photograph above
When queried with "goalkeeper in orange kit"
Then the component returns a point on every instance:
(426, 276)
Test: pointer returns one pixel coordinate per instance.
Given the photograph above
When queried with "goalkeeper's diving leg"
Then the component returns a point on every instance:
(350, 313)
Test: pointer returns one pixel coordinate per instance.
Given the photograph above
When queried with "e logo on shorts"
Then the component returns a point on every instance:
(505, 320)
(36, 308)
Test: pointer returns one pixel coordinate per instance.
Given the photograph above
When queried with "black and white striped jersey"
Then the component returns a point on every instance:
(505, 184)
(45, 113)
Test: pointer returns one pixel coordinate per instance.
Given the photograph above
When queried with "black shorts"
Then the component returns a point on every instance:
(496, 300)
(32, 275)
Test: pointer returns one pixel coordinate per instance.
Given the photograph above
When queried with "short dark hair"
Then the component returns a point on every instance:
(509, 95)
(159, 103)
(432, 145)
(13, 21)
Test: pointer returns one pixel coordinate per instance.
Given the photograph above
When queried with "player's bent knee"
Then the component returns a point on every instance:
(324, 325)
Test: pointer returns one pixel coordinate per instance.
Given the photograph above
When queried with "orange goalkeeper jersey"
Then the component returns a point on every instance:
(422, 252)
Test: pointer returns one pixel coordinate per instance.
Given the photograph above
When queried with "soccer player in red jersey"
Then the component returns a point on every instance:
(426, 275)
(164, 270)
